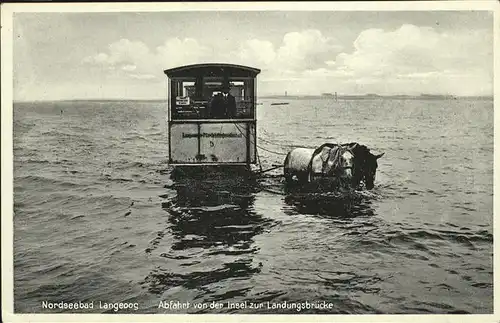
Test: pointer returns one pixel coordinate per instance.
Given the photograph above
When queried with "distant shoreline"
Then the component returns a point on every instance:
(294, 97)
(95, 100)
(375, 96)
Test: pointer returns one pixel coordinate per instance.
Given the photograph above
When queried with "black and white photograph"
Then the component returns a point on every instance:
(267, 159)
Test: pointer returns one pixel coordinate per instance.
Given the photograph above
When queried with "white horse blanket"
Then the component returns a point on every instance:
(306, 164)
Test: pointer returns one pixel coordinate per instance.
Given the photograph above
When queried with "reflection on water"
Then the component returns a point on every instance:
(216, 213)
(211, 224)
(332, 205)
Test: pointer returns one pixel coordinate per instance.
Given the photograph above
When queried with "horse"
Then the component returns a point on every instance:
(330, 164)
(345, 165)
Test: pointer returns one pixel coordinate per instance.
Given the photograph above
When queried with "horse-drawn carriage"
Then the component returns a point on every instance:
(211, 116)
(212, 126)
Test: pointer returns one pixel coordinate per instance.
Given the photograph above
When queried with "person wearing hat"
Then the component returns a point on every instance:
(224, 104)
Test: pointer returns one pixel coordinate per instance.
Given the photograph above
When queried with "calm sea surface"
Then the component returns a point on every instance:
(98, 219)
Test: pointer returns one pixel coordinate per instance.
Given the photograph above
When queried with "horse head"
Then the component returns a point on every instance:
(346, 166)
(365, 165)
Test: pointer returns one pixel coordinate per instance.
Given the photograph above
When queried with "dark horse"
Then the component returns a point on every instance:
(344, 165)
(365, 165)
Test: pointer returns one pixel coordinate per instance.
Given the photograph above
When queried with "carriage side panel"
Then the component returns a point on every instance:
(183, 142)
(199, 142)
(224, 142)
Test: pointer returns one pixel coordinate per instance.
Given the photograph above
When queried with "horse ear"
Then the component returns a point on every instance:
(353, 146)
(379, 155)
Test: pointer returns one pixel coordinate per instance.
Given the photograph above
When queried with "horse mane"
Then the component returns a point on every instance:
(320, 148)
(357, 149)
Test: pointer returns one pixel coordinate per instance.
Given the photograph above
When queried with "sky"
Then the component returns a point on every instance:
(123, 55)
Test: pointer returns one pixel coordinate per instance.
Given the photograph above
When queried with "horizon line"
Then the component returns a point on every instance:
(324, 95)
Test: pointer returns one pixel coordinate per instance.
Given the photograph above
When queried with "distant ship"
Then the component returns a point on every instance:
(281, 103)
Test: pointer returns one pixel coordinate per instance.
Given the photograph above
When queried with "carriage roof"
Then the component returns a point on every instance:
(212, 69)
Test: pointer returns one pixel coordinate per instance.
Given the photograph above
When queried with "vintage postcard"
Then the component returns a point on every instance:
(249, 162)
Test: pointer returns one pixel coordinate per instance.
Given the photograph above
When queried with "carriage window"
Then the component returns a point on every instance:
(183, 98)
(202, 98)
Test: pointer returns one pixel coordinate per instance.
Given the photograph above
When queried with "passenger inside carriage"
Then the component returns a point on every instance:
(223, 104)
(211, 98)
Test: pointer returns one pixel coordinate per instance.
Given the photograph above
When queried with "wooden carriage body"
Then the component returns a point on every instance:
(196, 135)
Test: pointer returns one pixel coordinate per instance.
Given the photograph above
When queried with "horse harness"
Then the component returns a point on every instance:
(337, 155)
